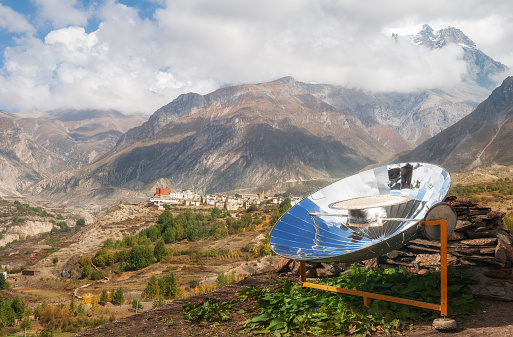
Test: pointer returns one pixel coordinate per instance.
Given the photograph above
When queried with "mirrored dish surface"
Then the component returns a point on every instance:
(362, 216)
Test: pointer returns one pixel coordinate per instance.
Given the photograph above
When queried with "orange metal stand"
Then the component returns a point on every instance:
(442, 307)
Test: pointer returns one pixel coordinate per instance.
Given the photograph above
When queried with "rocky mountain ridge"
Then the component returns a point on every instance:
(481, 138)
(34, 147)
(255, 136)
(480, 67)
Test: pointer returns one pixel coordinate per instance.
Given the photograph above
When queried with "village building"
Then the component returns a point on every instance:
(164, 196)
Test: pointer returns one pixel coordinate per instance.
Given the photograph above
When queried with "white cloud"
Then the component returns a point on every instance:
(137, 65)
(62, 13)
(13, 21)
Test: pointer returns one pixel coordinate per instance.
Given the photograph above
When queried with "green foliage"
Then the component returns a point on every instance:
(210, 310)
(104, 297)
(308, 311)
(164, 287)
(60, 227)
(167, 285)
(10, 310)
(104, 258)
(80, 222)
(499, 187)
(86, 270)
(18, 305)
(152, 289)
(50, 251)
(216, 213)
(136, 304)
(158, 302)
(252, 208)
(139, 257)
(218, 230)
(39, 309)
(3, 282)
(108, 244)
(160, 251)
(117, 296)
(97, 275)
(26, 323)
(48, 331)
(253, 293)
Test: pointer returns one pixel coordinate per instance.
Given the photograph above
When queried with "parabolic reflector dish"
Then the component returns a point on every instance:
(362, 216)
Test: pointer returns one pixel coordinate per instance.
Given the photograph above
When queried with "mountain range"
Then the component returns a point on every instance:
(278, 136)
(483, 137)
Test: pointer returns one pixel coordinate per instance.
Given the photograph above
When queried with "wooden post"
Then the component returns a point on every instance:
(443, 267)
(302, 271)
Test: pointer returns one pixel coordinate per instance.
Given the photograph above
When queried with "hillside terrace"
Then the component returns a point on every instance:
(164, 196)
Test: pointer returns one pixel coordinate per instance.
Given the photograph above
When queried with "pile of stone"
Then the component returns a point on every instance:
(478, 240)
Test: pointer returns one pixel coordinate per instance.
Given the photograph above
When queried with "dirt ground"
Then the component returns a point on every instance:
(493, 318)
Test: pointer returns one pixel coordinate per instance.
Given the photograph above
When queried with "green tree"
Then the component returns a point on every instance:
(86, 270)
(167, 285)
(117, 297)
(104, 297)
(221, 280)
(216, 213)
(218, 230)
(160, 251)
(285, 205)
(80, 222)
(3, 282)
(18, 305)
(139, 257)
(152, 289)
(7, 314)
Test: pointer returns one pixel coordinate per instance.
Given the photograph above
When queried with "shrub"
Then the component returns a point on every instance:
(108, 244)
(159, 302)
(97, 275)
(475, 198)
(508, 221)
(136, 304)
(80, 222)
(117, 297)
(86, 270)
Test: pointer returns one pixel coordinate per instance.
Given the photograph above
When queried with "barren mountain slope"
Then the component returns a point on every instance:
(481, 138)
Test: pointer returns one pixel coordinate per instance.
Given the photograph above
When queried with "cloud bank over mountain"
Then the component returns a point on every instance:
(136, 59)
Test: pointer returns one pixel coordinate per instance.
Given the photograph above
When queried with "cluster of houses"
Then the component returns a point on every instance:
(165, 196)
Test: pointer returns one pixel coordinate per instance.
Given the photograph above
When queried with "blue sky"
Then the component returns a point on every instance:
(136, 56)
